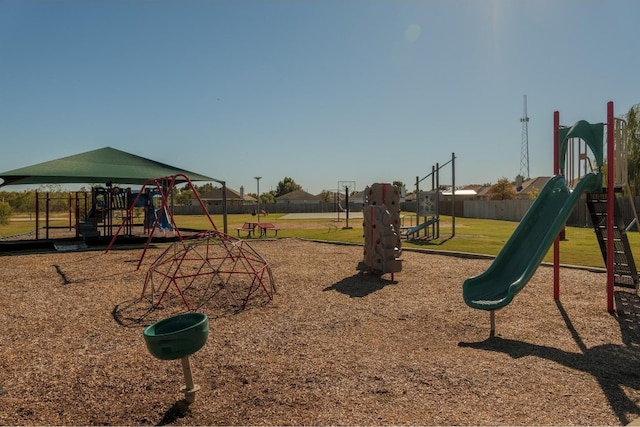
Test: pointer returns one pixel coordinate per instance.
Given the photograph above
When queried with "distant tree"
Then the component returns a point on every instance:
(326, 196)
(50, 188)
(502, 190)
(398, 184)
(184, 196)
(58, 197)
(25, 201)
(265, 198)
(5, 213)
(287, 185)
(268, 197)
(205, 188)
(633, 162)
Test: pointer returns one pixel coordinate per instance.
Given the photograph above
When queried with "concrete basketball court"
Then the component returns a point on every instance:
(323, 215)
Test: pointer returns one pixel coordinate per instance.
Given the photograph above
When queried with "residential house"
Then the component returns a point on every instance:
(298, 197)
(465, 193)
(531, 187)
(357, 197)
(234, 198)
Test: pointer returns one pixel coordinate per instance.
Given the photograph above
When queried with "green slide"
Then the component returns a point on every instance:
(527, 246)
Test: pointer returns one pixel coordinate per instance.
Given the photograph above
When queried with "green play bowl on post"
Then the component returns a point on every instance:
(177, 336)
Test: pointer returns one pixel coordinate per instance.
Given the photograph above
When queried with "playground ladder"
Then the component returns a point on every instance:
(625, 273)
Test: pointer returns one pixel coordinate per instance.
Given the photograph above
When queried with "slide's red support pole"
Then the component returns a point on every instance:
(556, 243)
(610, 205)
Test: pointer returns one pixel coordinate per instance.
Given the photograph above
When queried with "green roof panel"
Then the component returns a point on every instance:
(98, 166)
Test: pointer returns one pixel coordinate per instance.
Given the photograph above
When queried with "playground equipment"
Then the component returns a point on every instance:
(98, 212)
(428, 205)
(607, 222)
(158, 215)
(214, 271)
(198, 270)
(50, 199)
(178, 337)
(542, 224)
(427, 213)
(519, 258)
(91, 213)
(382, 245)
(108, 204)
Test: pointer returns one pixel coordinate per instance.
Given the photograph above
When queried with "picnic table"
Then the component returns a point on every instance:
(263, 227)
(249, 227)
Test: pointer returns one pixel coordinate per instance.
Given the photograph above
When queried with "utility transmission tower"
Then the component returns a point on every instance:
(524, 147)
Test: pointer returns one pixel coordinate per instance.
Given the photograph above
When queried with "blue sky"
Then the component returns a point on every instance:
(319, 91)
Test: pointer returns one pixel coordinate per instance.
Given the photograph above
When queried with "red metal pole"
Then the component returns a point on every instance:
(610, 206)
(556, 242)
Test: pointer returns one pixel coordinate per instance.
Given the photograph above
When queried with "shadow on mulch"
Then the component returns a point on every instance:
(360, 285)
(429, 241)
(628, 315)
(613, 366)
(180, 409)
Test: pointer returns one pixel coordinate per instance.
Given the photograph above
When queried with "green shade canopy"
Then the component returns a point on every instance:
(97, 166)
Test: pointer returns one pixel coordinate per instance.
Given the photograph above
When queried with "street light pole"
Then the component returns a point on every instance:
(257, 178)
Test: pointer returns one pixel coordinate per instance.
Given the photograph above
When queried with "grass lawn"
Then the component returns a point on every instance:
(480, 236)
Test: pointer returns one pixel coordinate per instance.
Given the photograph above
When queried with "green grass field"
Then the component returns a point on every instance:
(479, 236)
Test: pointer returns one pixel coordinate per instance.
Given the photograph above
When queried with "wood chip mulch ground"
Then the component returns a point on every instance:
(333, 347)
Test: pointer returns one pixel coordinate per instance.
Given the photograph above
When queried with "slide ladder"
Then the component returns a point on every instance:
(624, 273)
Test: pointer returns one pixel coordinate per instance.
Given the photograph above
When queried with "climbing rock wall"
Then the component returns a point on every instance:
(382, 245)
